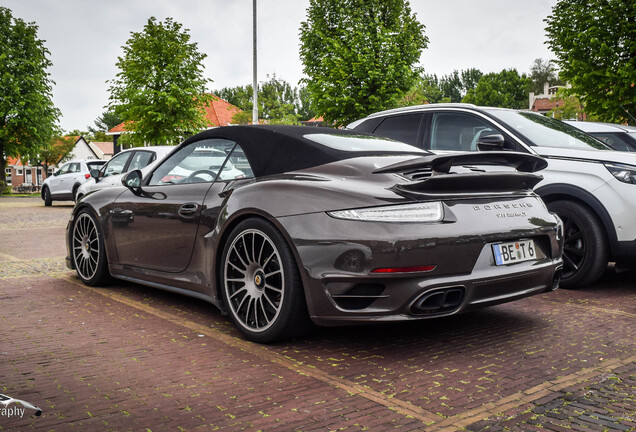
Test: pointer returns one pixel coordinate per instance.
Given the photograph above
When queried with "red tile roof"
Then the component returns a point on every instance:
(106, 147)
(218, 113)
(545, 104)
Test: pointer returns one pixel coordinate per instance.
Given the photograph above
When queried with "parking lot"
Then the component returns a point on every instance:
(128, 357)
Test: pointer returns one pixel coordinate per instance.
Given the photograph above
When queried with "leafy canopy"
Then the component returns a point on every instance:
(506, 89)
(103, 124)
(358, 55)
(28, 118)
(160, 90)
(278, 101)
(541, 72)
(448, 88)
(595, 45)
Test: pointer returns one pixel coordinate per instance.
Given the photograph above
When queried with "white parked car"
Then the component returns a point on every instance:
(592, 188)
(65, 182)
(619, 137)
(131, 159)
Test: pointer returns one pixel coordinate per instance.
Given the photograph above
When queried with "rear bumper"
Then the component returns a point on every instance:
(420, 297)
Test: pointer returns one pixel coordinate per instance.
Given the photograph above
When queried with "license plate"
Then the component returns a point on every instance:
(514, 252)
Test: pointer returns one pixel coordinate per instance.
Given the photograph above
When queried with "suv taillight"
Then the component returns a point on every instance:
(87, 176)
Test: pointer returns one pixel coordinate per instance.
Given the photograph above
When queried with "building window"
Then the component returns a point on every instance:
(18, 171)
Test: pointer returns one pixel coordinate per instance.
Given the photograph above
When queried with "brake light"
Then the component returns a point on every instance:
(87, 176)
(410, 269)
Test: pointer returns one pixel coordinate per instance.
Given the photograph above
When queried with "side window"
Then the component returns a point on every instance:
(199, 162)
(116, 165)
(64, 168)
(456, 131)
(614, 141)
(74, 168)
(140, 160)
(237, 166)
(400, 127)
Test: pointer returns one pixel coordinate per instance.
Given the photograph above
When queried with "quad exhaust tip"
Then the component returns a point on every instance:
(439, 300)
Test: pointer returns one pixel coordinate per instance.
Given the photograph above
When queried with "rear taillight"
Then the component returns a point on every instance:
(410, 269)
(87, 176)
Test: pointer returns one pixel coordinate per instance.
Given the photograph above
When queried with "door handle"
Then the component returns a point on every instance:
(188, 210)
(120, 215)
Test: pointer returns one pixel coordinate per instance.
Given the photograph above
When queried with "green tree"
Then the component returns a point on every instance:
(506, 89)
(28, 118)
(541, 72)
(160, 90)
(278, 101)
(451, 86)
(568, 107)
(358, 55)
(425, 90)
(304, 109)
(55, 151)
(103, 124)
(470, 78)
(239, 96)
(595, 45)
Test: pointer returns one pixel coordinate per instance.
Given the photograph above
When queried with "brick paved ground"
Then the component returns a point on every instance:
(127, 357)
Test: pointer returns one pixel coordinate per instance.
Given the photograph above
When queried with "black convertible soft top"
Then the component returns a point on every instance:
(274, 149)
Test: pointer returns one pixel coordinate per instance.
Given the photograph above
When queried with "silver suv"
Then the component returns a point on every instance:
(592, 188)
(64, 183)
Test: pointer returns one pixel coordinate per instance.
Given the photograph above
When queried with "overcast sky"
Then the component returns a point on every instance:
(85, 38)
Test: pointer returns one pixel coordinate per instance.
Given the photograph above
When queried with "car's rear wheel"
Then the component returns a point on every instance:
(87, 250)
(585, 250)
(260, 283)
(46, 196)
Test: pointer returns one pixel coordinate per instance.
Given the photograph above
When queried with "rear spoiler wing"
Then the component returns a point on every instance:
(522, 162)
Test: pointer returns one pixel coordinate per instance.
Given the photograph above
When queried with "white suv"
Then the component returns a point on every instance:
(127, 160)
(592, 188)
(64, 183)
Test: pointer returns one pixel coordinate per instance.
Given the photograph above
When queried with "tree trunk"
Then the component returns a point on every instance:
(3, 164)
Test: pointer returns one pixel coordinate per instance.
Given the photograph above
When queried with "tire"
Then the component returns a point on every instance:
(87, 250)
(46, 196)
(260, 284)
(75, 188)
(585, 249)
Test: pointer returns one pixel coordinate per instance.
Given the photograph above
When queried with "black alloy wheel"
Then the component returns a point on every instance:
(260, 284)
(585, 250)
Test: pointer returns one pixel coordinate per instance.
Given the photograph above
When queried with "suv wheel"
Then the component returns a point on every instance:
(585, 251)
(46, 196)
(75, 188)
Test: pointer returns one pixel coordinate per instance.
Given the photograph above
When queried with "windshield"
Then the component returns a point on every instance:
(544, 131)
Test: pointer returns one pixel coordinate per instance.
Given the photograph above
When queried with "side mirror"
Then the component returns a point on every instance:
(95, 174)
(132, 181)
(56, 173)
(490, 142)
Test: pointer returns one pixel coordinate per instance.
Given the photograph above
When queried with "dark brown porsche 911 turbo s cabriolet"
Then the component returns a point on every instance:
(282, 226)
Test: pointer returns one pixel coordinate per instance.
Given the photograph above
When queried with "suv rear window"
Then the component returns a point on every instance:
(95, 165)
(400, 128)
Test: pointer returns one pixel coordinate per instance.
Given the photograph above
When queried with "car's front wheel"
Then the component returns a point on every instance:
(260, 283)
(87, 250)
(585, 250)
